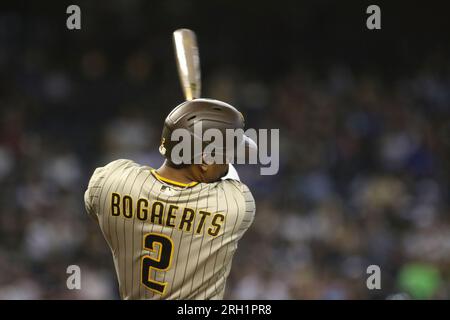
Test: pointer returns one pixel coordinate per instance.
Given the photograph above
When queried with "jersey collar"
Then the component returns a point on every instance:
(172, 182)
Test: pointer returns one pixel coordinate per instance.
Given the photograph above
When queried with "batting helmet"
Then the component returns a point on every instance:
(210, 114)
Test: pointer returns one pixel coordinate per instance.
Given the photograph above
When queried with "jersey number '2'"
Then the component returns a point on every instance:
(164, 249)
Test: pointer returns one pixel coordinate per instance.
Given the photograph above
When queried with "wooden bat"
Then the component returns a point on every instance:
(188, 62)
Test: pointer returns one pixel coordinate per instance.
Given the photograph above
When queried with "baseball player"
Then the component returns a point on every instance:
(173, 231)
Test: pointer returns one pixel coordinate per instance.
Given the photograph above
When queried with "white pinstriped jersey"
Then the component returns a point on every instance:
(169, 240)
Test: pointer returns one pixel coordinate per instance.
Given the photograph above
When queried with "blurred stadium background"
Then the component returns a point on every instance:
(364, 120)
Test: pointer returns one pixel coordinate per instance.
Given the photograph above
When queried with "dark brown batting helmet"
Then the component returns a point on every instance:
(211, 114)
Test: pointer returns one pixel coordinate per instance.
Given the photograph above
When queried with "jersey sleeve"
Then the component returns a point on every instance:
(96, 183)
(250, 207)
(91, 194)
(245, 206)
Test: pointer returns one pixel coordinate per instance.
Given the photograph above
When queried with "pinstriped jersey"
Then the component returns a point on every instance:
(168, 240)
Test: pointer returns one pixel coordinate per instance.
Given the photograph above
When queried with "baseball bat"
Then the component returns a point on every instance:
(188, 62)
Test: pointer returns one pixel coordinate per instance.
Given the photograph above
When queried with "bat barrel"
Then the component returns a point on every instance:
(188, 62)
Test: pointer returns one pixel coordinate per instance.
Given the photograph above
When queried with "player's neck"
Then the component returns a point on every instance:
(178, 175)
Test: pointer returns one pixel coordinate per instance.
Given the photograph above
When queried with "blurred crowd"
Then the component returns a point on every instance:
(364, 181)
(364, 172)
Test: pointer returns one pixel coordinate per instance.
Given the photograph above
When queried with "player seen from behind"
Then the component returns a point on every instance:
(173, 231)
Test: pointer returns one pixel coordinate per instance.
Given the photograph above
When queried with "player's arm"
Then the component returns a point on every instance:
(92, 192)
(249, 205)
(97, 182)
(246, 206)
